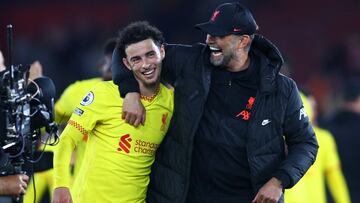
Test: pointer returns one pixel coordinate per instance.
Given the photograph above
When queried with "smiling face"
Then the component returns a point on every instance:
(230, 51)
(144, 59)
(222, 49)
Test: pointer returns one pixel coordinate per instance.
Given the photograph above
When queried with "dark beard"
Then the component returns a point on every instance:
(224, 62)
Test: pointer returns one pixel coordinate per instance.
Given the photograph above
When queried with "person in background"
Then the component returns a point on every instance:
(325, 171)
(118, 157)
(345, 126)
(233, 114)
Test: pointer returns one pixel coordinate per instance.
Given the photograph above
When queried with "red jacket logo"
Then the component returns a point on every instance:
(124, 144)
(246, 113)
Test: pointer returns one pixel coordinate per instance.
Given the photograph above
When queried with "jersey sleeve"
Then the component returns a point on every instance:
(89, 111)
(68, 141)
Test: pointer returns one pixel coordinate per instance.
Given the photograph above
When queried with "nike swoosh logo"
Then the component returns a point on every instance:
(265, 122)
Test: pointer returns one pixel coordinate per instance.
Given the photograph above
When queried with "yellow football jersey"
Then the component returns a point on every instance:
(118, 156)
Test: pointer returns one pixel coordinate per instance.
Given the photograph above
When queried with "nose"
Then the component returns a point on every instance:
(209, 39)
(145, 63)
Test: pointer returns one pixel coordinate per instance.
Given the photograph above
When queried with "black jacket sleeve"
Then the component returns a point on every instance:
(300, 139)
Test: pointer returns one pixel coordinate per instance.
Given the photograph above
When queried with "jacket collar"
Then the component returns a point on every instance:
(270, 64)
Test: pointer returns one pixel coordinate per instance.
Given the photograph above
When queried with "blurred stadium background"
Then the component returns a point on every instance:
(319, 39)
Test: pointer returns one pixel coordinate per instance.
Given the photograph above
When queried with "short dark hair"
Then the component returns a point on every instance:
(136, 32)
(109, 46)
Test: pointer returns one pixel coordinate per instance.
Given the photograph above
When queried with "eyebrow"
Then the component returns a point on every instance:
(134, 57)
(150, 52)
(147, 53)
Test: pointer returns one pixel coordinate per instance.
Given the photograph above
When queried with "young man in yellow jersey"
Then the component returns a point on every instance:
(118, 156)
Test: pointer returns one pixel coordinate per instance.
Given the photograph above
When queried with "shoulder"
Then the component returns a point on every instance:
(84, 83)
(106, 88)
(89, 81)
(166, 97)
(166, 91)
(80, 87)
(103, 93)
(286, 85)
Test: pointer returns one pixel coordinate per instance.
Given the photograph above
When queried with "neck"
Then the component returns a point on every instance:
(149, 90)
(239, 62)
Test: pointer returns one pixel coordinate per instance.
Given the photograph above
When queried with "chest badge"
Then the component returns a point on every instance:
(246, 113)
(164, 121)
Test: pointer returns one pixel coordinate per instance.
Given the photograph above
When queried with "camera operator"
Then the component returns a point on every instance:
(12, 185)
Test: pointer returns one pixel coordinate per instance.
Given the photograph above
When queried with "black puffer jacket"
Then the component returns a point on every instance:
(188, 69)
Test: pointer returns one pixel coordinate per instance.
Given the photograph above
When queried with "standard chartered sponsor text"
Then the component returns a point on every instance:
(145, 147)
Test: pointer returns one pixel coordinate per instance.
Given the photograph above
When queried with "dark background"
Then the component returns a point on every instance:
(319, 39)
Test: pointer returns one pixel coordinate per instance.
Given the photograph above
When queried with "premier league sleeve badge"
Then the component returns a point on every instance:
(88, 99)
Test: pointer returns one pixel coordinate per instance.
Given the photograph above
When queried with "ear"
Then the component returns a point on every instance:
(162, 52)
(243, 41)
(126, 63)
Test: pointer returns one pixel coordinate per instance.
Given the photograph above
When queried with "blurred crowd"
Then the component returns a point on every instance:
(321, 44)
